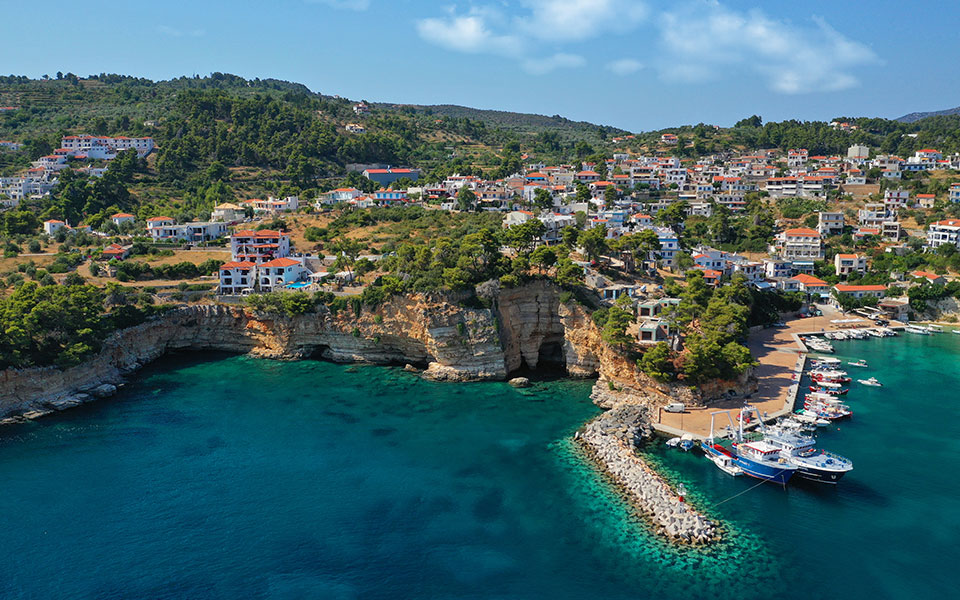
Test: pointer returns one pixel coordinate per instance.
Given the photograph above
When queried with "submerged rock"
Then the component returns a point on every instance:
(519, 382)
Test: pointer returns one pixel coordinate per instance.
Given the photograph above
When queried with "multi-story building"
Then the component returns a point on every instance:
(165, 229)
(103, 147)
(861, 291)
(845, 264)
(799, 244)
(954, 194)
(830, 223)
(896, 199)
(259, 246)
(943, 232)
(237, 277)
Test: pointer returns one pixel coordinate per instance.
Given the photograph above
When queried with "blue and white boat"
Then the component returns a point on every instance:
(762, 460)
(800, 451)
(757, 459)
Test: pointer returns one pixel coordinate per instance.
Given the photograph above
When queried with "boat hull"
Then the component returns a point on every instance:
(819, 475)
(763, 471)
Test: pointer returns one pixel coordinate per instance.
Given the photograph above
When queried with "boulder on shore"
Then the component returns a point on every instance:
(103, 390)
(519, 382)
(410, 368)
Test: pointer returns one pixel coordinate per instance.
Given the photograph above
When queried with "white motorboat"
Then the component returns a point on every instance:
(934, 328)
(871, 382)
(858, 363)
(917, 330)
(725, 463)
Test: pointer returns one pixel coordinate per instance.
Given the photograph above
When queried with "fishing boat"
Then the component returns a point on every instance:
(916, 330)
(800, 451)
(858, 363)
(874, 332)
(871, 382)
(756, 458)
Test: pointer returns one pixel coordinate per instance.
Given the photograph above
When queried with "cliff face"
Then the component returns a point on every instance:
(524, 326)
(454, 342)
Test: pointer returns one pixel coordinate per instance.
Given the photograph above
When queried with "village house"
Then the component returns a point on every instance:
(227, 213)
(943, 232)
(387, 176)
(845, 264)
(926, 200)
(799, 245)
(165, 229)
(830, 223)
(278, 272)
(52, 226)
(115, 251)
(928, 277)
(237, 277)
(861, 291)
(896, 199)
(121, 218)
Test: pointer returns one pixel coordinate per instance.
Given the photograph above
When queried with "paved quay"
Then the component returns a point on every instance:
(781, 357)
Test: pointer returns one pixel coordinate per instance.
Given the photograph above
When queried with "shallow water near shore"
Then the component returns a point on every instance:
(228, 477)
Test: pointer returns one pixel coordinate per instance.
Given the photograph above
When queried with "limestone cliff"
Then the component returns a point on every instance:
(523, 326)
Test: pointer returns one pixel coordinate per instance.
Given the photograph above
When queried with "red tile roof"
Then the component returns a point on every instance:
(845, 287)
(280, 262)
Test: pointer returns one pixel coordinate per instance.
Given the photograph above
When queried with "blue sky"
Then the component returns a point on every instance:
(635, 64)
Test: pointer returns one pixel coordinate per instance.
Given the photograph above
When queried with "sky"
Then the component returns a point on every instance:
(634, 64)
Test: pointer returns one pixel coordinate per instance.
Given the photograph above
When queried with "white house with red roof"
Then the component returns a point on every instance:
(669, 139)
(799, 244)
(928, 277)
(387, 176)
(943, 232)
(845, 264)
(276, 273)
(52, 226)
(237, 277)
(954, 193)
(861, 291)
(121, 218)
(115, 251)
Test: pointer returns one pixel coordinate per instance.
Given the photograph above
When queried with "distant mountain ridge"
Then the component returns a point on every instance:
(916, 116)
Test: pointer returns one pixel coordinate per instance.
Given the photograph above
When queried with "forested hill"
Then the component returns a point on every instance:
(519, 122)
(916, 116)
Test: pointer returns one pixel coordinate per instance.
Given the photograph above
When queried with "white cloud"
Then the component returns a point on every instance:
(466, 34)
(344, 4)
(174, 32)
(625, 66)
(708, 40)
(542, 66)
(486, 29)
(572, 20)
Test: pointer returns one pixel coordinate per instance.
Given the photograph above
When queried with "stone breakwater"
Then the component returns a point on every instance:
(611, 440)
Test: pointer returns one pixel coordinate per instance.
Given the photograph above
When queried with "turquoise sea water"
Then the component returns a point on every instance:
(230, 477)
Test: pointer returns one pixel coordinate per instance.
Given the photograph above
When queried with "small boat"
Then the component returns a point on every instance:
(956, 331)
(871, 382)
(934, 328)
(826, 360)
(686, 442)
(917, 330)
(721, 457)
(858, 363)
(673, 442)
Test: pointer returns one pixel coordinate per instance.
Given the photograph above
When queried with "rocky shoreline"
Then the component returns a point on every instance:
(611, 440)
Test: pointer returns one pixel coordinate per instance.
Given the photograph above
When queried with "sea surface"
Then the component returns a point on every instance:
(229, 477)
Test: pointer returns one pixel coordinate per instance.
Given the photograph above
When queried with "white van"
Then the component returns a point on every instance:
(674, 407)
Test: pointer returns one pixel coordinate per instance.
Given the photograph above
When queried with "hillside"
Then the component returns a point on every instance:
(526, 123)
(916, 116)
